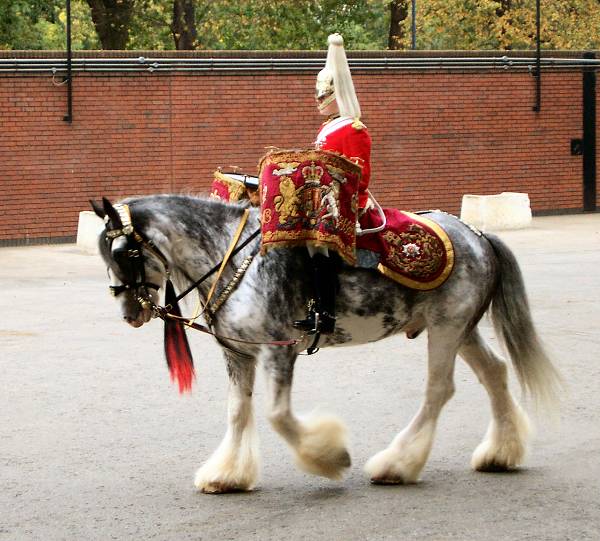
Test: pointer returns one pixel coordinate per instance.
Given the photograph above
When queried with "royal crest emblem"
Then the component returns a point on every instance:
(309, 197)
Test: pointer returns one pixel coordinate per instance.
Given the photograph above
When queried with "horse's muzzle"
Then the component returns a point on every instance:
(136, 312)
(143, 316)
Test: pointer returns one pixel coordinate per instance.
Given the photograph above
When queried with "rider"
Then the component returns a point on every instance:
(342, 132)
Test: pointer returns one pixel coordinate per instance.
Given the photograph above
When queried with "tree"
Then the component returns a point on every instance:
(41, 24)
(398, 17)
(289, 24)
(184, 24)
(112, 19)
(293, 24)
(20, 20)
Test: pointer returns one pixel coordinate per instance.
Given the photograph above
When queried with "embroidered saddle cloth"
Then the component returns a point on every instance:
(413, 250)
(308, 197)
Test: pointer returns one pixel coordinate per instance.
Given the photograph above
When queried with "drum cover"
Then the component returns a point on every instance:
(309, 197)
(233, 187)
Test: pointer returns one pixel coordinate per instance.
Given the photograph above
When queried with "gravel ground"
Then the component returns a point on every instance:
(96, 443)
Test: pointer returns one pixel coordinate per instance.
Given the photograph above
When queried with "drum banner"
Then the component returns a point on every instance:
(227, 189)
(414, 251)
(309, 197)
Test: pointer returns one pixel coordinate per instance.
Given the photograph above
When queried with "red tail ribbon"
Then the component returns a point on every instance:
(177, 348)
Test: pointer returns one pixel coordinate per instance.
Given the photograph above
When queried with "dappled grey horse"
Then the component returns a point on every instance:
(191, 235)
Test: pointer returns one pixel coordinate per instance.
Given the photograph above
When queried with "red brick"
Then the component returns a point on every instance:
(436, 135)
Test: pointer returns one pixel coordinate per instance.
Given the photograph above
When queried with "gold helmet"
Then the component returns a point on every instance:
(334, 81)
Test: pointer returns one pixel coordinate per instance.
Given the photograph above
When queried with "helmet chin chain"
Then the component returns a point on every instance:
(326, 102)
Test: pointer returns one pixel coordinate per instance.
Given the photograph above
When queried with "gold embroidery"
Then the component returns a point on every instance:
(312, 173)
(286, 157)
(235, 188)
(266, 216)
(424, 261)
(431, 246)
(337, 173)
(286, 204)
(305, 211)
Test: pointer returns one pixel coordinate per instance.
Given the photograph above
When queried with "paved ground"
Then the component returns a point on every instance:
(95, 442)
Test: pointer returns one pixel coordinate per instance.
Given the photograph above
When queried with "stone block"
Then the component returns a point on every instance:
(88, 230)
(507, 210)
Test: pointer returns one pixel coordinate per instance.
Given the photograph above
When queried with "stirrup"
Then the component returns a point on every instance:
(308, 325)
(316, 323)
(314, 347)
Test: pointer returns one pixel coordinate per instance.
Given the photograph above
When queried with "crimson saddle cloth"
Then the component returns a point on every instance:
(414, 251)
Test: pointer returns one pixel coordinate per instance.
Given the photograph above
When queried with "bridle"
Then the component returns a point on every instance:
(130, 260)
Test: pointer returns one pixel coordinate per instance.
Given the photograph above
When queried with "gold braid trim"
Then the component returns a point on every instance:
(334, 158)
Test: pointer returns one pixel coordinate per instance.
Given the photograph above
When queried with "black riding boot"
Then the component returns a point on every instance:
(321, 315)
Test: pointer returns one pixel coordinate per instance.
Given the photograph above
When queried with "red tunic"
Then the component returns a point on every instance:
(349, 137)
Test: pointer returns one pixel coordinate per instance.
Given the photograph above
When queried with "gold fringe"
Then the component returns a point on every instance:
(331, 242)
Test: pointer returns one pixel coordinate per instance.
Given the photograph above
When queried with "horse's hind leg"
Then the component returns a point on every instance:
(234, 465)
(402, 461)
(504, 445)
(318, 441)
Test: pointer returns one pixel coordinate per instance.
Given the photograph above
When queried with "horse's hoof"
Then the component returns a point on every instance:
(388, 481)
(221, 488)
(494, 467)
(344, 459)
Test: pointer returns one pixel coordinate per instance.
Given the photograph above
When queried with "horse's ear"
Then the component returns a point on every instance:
(112, 214)
(98, 209)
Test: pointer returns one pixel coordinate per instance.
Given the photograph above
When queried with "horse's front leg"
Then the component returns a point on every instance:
(318, 441)
(234, 466)
(402, 461)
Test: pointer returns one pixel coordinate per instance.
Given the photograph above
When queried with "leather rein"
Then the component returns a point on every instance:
(131, 262)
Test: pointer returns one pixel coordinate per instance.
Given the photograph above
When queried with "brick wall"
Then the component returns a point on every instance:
(436, 136)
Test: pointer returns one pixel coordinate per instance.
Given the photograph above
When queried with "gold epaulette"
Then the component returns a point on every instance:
(357, 124)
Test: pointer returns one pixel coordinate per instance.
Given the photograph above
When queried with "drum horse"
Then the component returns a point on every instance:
(149, 241)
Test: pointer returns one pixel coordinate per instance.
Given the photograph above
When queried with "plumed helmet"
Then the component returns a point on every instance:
(334, 81)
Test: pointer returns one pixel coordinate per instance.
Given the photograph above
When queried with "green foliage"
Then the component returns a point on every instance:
(41, 24)
(304, 25)
(282, 24)
(481, 24)
(151, 26)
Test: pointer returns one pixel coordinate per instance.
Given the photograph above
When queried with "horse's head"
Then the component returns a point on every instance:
(135, 266)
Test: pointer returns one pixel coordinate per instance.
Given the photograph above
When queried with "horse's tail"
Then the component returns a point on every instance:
(513, 324)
